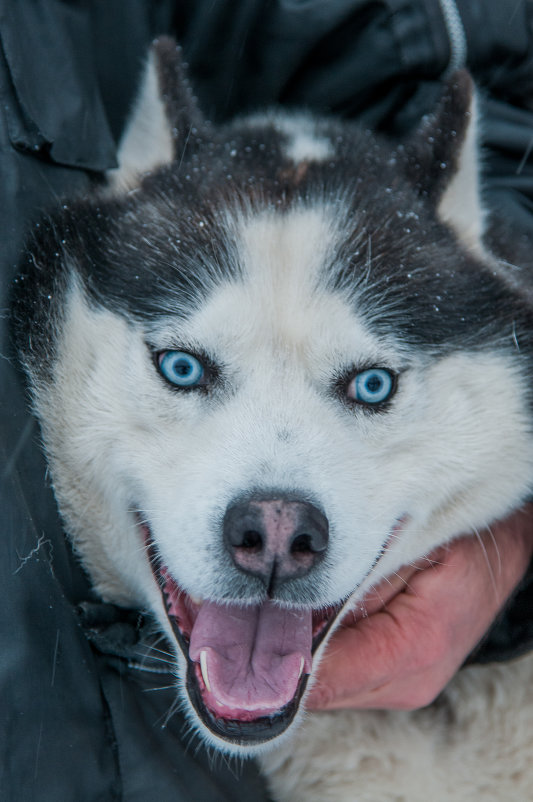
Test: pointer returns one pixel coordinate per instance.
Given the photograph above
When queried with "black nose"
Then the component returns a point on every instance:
(275, 539)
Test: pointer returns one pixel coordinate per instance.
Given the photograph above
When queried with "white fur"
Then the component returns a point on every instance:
(461, 205)
(147, 142)
(304, 143)
(472, 745)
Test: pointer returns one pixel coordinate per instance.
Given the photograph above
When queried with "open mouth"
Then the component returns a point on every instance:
(247, 666)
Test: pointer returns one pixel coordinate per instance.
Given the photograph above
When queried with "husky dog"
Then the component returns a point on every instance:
(274, 362)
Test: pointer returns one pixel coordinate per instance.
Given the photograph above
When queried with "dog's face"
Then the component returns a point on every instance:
(268, 376)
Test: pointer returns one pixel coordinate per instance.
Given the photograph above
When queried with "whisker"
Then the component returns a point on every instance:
(153, 648)
(160, 688)
(170, 712)
(496, 547)
(164, 660)
(487, 560)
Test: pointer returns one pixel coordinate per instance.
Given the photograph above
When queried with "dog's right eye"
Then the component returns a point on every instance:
(180, 368)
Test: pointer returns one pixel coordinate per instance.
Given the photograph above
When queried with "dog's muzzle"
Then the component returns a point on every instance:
(248, 664)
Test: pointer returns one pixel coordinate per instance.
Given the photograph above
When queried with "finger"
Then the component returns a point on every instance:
(358, 660)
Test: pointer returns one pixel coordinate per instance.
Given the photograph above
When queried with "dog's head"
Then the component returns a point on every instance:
(272, 364)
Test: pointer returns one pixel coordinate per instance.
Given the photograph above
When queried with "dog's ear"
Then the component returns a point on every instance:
(164, 118)
(443, 159)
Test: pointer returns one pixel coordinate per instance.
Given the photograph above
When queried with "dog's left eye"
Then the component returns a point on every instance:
(372, 386)
(180, 368)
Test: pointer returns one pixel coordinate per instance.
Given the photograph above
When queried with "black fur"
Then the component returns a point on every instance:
(159, 250)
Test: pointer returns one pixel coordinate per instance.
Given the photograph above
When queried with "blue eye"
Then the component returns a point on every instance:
(180, 369)
(372, 386)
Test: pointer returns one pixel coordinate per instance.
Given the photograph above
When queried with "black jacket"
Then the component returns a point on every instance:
(82, 718)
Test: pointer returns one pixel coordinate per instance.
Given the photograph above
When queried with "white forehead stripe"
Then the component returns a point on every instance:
(305, 147)
(288, 250)
(304, 143)
(282, 299)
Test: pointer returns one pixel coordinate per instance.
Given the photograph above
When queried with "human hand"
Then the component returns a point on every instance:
(423, 622)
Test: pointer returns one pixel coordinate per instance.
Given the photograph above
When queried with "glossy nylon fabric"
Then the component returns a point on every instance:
(81, 719)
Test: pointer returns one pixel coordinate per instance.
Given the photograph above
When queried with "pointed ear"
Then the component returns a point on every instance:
(444, 160)
(163, 120)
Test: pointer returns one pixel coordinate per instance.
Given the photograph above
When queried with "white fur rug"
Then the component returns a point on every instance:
(474, 744)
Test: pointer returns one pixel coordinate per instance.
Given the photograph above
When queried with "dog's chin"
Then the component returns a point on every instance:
(247, 666)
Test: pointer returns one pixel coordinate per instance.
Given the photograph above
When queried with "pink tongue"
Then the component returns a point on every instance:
(254, 656)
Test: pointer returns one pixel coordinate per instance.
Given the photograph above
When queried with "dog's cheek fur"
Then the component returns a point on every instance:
(461, 450)
(79, 410)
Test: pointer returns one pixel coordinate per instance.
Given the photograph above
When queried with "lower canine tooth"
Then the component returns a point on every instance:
(203, 669)
(302, 663)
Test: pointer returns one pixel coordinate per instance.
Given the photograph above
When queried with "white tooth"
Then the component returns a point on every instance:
(203, 669)
(195, 599)
(302, 663)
